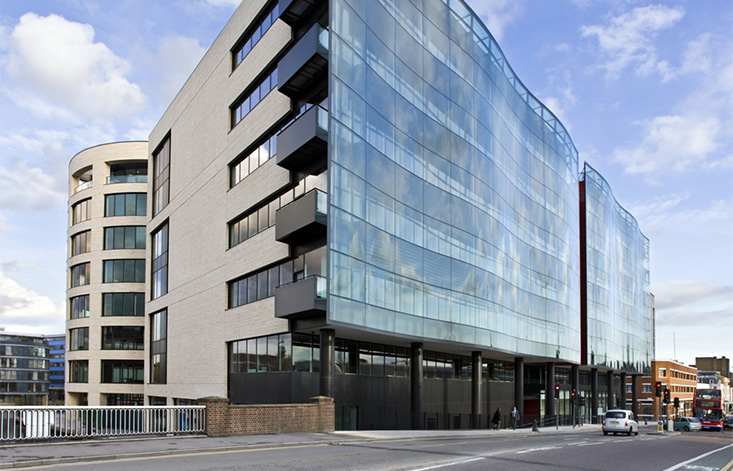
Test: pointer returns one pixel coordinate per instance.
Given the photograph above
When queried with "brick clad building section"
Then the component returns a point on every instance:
(224, 420)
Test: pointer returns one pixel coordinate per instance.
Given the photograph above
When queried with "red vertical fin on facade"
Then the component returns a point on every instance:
(583, 281)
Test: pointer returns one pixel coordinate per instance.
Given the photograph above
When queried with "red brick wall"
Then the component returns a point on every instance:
(223, 419)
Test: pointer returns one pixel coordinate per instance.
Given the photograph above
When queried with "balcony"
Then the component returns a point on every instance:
(302, 220)
(301, 299)
(305, 65)
(82, 186)
(294, 12)
(127, 179)
(303, 140)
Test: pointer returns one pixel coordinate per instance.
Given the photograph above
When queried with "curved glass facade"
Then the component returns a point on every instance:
(618, 297)
(453, 192)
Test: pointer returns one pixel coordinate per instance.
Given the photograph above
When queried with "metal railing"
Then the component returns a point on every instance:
(46, 422)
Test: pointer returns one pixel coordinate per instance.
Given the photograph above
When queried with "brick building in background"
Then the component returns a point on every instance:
(681, 381)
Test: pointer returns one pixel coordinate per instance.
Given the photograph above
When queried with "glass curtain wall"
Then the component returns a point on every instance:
(453, 191)
(619, 300)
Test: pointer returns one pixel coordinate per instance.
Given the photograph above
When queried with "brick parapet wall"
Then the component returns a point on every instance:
(223, 419)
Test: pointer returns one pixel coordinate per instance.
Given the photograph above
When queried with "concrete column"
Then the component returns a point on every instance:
(635, 394)
(622, 401)
(326, 357)
(550, 389)
(594, 395)
(609, 388)
(416, 386)
(519, 385)
(476, 362)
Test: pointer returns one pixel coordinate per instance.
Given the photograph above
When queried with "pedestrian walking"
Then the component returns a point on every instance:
(496, 418)
(515, 418)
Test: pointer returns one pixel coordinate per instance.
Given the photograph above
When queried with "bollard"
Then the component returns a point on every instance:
(534, 426)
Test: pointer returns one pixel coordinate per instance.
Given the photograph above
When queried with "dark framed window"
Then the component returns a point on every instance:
(160, 262)
(254, 34)
(79, 307)
(243, 106)
(125, 204)
(161, 176)
(123, 304)
(81, 211)
(158, 347)
(122, 371)
(81, 243)
(79, 339)
(124, 271)
(136, 172)
(80, 275)
(78, 371)
(123, 338)
(124, 237)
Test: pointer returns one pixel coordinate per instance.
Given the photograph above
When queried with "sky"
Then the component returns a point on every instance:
(644, 88)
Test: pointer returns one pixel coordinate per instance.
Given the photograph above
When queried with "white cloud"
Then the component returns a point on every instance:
(59, 59)
(676, 142)
(627, 40)
(224, 3)
(498, 14)
(666, 213)
(25, 311)
(696, 57)
(172, 63)
(29, 187)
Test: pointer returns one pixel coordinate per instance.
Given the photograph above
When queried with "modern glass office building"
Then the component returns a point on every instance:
(362, 200)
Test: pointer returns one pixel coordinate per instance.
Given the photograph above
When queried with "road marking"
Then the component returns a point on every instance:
(577, 443)
(538, 449)
(685, 463)
(591, 443)
(449, 464)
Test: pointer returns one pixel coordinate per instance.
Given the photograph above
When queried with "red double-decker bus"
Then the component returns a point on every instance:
(709, 408)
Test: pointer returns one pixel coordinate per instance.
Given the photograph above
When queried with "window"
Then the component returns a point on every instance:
(123, 304)
(662, 372)
(122, 338)
(124, 237)
(628, 389)
(78, 371)
(646, 388)
(243, 106)
(81, 211)
(125, 204)
(161, 176)
(158, 347)
(253, 160)
(122, 371)
(81, 243)
(79, 307)
(124, 271)
(128, 173)
(160, 262)
(247, 42)
(80, 275)
(79, 339)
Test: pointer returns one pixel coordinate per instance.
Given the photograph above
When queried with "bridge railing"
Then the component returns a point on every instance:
(46, 422)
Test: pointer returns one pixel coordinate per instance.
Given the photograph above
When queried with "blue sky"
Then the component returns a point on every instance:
(644, 88)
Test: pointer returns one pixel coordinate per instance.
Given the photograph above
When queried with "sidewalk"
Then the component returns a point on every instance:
(18, 455)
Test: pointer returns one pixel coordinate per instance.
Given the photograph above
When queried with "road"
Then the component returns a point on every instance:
(700, 451)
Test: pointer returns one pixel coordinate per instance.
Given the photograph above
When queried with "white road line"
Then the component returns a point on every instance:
(678, 466)
(538, 449)
(449, 464)
(591, 443)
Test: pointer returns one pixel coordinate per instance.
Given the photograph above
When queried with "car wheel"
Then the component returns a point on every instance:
(614, 434)
(687, 429)
(605, 433)
(637, 432)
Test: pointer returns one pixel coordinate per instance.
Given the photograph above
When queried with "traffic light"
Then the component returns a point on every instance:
(557, 391)
(666, 396)
(581, 401)
(676, 402)
(658, 389)
(573, 397)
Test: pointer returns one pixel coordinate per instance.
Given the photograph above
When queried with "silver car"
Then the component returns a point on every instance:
(620, 420)
(687, 424)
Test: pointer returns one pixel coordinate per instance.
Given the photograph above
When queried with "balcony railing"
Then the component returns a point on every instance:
(303, 219)
(303, 140)
(302, 299)
(83, 186)
(305, 65)
(127, 179)
(33, 423)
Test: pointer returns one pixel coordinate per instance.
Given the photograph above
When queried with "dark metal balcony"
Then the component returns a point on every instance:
(305, 65)
(304, 139)
(301, 299)
(303, 219)
(293, 12)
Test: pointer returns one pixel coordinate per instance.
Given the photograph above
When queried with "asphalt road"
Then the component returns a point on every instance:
(700, 451)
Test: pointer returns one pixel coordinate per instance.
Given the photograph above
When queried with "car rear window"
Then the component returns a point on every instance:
(615, 415)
